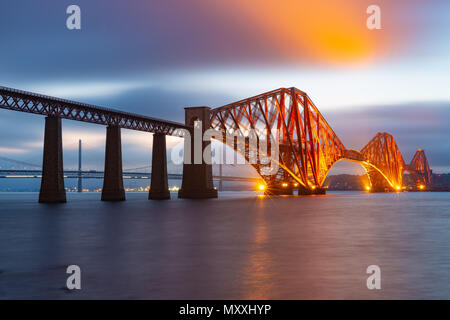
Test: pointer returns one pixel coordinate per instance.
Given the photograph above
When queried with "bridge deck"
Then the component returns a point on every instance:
(23, 101)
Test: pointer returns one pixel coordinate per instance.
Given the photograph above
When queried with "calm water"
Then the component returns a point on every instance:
(238, 247)
(34, 185)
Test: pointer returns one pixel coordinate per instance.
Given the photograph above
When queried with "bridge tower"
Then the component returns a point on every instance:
(384, 163)
(420, 170)
(197, 174)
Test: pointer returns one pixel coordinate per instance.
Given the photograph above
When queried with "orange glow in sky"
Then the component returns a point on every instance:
(332, 31)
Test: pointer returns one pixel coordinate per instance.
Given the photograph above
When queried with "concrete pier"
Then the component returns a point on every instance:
(275, 189)
(52, 183)
(159, 189)
(197, 174)
(302, 191)
(113, 189)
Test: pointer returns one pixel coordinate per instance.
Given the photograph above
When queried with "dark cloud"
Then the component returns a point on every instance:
(121, 37)
(161, 103)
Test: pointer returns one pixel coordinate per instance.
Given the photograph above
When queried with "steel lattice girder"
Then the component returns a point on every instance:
(419, 166)
(23, 101)
(308, 145)
(383, 153)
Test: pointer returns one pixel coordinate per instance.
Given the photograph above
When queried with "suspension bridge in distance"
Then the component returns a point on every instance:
(308, 147)
(93, 174)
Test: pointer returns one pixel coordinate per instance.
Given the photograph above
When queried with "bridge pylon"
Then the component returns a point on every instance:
(197, 180)
(52, 182)
(113, 189)
(159, 188)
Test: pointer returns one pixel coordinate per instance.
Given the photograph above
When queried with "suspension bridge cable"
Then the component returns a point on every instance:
(20, 162)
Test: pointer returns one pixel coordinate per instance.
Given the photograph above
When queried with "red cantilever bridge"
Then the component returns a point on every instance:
(308, 147)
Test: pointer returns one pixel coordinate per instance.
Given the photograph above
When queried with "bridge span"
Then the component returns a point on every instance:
(308, 146)
(55, 109)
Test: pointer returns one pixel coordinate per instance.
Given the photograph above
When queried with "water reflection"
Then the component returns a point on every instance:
(258, 274)
(241, 246)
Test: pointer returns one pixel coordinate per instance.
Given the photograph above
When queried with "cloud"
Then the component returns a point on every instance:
(165, 94)
(12, 150)
(420, 125)
(86, 89)
(119, 38)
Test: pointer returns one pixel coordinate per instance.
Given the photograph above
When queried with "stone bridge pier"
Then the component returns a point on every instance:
(197, 174)
(113, 189)
(159, 188)
(52, 182)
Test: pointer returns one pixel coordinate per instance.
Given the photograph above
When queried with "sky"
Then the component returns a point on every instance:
(157, 57)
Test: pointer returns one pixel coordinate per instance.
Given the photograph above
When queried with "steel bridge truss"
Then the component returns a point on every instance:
(23, 101)
(308, 147)
(383, 162)
(420, 169)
